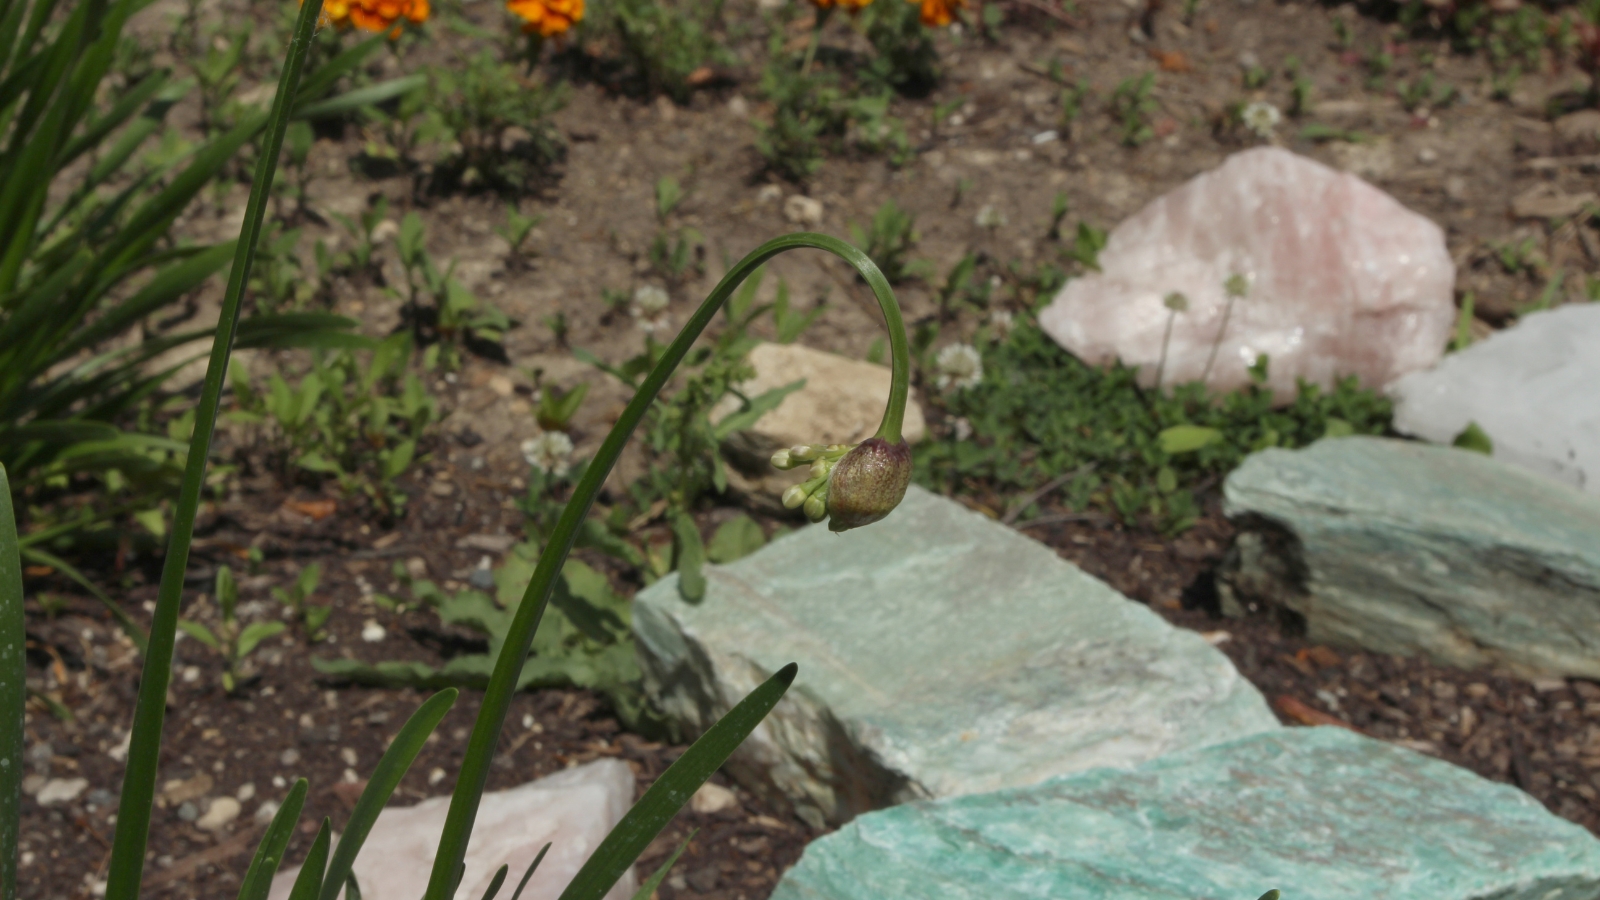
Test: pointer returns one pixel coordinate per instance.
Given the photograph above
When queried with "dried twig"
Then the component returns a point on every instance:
(190, 864)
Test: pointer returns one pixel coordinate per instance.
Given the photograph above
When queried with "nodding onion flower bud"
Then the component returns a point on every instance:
(868, 483)
(852, 486)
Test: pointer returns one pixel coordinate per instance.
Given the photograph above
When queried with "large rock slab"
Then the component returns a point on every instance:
(940, 654)
(572, 810)
(1403, 547)
(1319, 813)
(1343, 280)
(1533, 388)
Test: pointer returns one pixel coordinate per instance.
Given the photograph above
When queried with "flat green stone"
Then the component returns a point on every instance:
(940, 653)
(1319, 813)
(1409, 548)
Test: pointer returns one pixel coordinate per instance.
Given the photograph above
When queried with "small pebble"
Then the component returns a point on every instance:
(222, 811)
(278, 781)
(348, 755)
(712, 798)
(60, 790)
(802, 210)
(436, 776)
(267, 809)
(372, 632)
(246, 792)
(188, 812)
(191, 674)
(483, 576)
(289, 757)
(441, 489)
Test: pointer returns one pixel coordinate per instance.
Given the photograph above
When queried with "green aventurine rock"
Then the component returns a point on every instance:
(1403, 548)
(940, 653)
(1319, 813)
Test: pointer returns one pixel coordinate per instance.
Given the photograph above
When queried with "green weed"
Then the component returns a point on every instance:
(663, 43)
(446, 316)
(675, 254)
(231, 640)
(583, 639)
(889, 240)
(1131, 105)
(904, 59)
(297, 601)
(476, 107)
(358, 424)
(1140, 456)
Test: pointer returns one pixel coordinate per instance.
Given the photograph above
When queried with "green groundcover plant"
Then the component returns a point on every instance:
(853, 486)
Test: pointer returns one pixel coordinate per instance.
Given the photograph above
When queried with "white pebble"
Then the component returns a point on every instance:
(60, 790)
(712, 798)
(267, 809)
(222, 811)
(372, 632)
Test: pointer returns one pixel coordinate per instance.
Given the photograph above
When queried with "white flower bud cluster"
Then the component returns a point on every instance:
(810, 495)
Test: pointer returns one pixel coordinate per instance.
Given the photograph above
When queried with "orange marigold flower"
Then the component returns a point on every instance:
(939, 13)
(846, 5)
(548, 18)
(374, 15)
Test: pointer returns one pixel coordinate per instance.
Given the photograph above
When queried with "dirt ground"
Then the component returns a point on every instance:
(1005, 149)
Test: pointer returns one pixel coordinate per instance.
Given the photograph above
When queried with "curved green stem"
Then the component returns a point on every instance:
(514, 651)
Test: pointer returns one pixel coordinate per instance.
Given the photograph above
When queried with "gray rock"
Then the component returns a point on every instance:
(1402, 547)
(940, 654)
(1531, 388)
(1319, 813)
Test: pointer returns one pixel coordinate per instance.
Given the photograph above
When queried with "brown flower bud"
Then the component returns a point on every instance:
(868, 483)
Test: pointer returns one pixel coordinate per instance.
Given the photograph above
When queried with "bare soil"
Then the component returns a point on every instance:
(1462, 165)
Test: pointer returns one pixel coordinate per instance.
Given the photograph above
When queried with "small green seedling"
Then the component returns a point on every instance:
(892, 235)
(557, 407)
(516, 230)
(1132, 105)
(297, 598)
(233, 641)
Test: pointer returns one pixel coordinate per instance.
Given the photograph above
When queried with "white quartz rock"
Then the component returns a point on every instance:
(572, 810)
(1343, 280)
(1534, 389)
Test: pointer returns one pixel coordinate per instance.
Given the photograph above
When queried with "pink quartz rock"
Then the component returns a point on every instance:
(572, 810)
(1343, 280)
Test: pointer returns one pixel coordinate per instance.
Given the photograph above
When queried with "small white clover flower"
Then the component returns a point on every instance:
(1261, 117)
(1000, 324)
(650, 307)
(550, 452)
(959, 367)
(989, 216)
